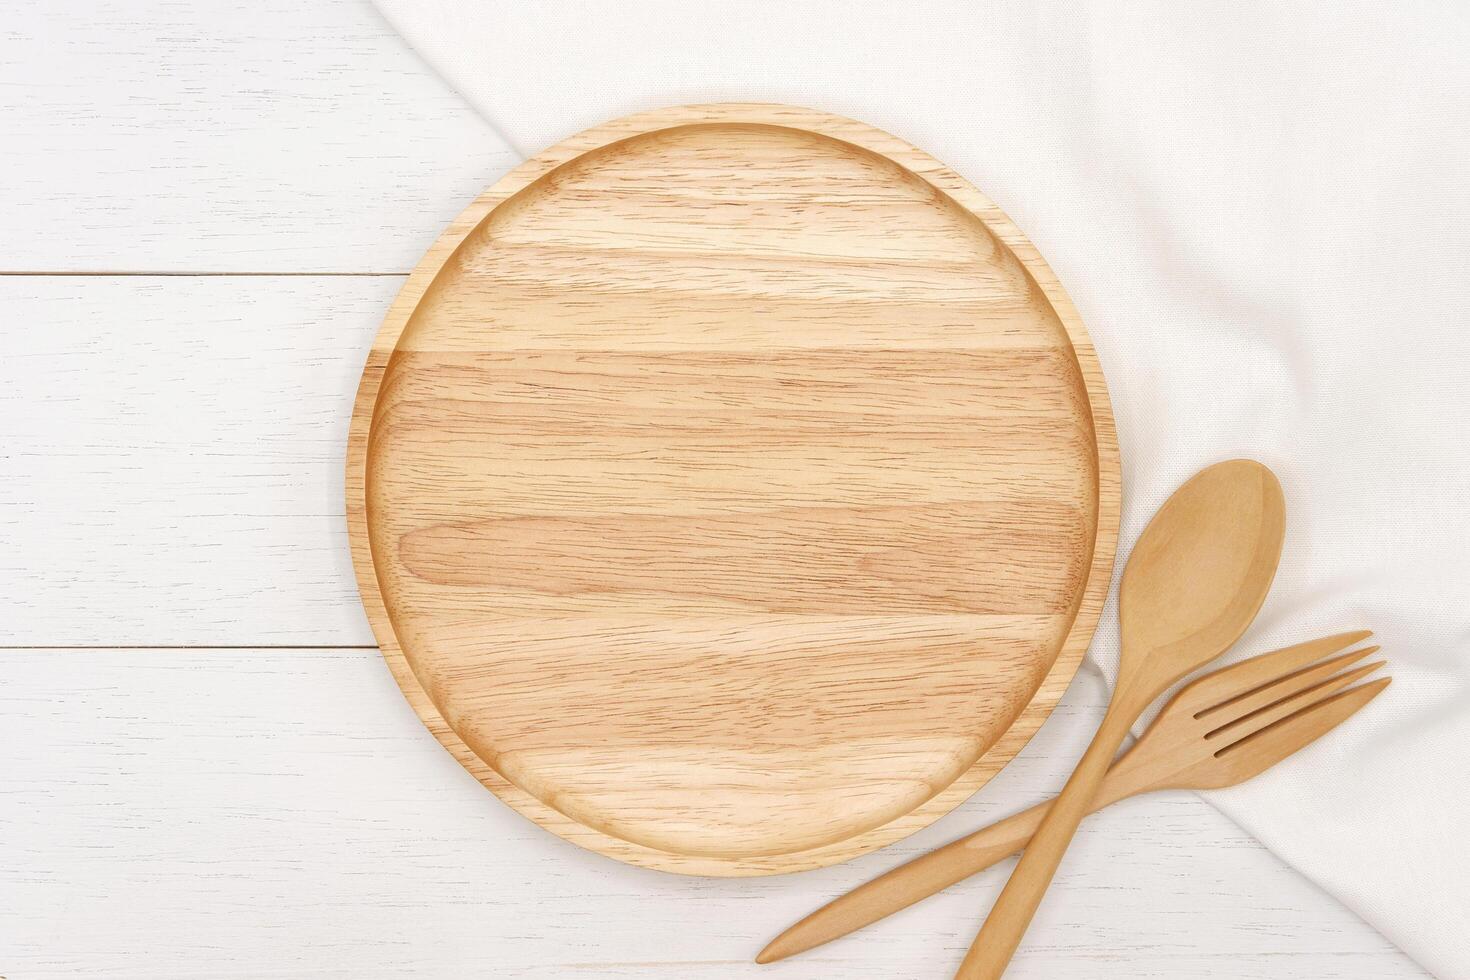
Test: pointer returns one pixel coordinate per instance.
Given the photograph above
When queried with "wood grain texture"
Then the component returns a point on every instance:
(732, 489)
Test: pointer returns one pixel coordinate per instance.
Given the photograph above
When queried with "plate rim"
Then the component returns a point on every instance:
(1108, 484)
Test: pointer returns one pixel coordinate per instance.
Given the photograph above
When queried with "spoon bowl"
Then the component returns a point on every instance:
(1198, 575)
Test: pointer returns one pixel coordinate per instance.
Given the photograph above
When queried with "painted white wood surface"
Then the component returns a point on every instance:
(174, 457)
(170, 475)
(282, 812)
(159, 135)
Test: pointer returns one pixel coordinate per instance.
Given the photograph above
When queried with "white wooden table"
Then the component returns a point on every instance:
(205, 769)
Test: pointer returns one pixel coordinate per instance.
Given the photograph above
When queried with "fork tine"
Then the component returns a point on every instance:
(1246, 676)
(1279, 688)
(1285, 708)
(1258, 752)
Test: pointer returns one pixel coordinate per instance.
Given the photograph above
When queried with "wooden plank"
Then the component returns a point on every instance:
(278, 136)
(173, 454)
(176, 814)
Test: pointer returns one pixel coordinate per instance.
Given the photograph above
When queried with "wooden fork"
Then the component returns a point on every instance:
(1219, 730)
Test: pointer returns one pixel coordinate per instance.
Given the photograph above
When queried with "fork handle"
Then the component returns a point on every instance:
(903, 886)
(930, 873)
(1011, 915)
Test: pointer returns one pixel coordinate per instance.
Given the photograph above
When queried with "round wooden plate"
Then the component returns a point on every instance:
(732, 489)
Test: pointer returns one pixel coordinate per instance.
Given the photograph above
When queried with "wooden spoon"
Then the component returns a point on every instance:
(1195, 580)
(1220, 730)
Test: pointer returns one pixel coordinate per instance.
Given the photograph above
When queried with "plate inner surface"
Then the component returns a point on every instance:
(731, 491)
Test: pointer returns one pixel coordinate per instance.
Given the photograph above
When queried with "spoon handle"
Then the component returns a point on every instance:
(1011, 915)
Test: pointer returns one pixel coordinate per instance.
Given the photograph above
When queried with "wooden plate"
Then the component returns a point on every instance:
(732, 489)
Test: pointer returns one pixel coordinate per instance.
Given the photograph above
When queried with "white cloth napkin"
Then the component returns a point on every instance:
(1262, 212)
